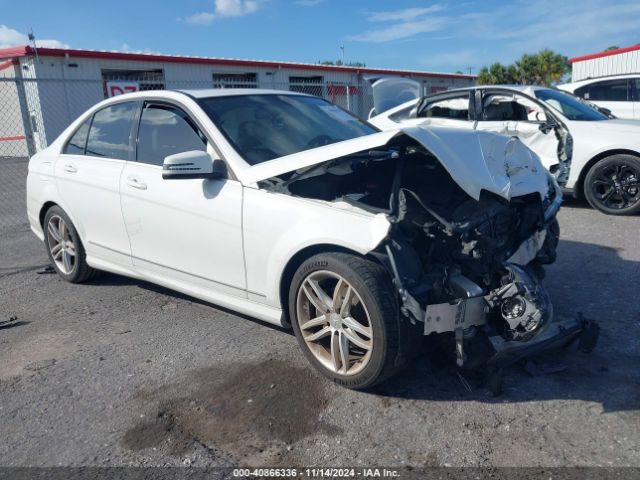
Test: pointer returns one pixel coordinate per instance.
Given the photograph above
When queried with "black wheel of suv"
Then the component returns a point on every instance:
(345, 316)
(611, 185)
(64, 247)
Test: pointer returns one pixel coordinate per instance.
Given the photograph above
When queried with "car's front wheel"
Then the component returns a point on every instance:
(611, 185)
(65, 250)
(345, 316)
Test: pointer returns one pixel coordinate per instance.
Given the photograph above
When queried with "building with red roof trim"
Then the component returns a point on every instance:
(609, 62)
(52, 86)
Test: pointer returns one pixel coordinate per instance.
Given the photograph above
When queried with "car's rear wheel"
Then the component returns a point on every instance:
(64, 247)
(345, 316)
(611, 185)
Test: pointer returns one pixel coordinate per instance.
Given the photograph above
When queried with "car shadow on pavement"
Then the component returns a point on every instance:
(569, 201)
(114, 280)
(587, 278)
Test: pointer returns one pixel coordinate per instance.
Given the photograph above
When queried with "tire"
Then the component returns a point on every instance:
(70, 259)
(612, 185)
(372, 309)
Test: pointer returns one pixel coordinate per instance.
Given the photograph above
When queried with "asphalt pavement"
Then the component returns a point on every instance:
(118, 372)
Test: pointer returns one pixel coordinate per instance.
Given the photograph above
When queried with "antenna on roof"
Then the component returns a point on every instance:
(32, 38)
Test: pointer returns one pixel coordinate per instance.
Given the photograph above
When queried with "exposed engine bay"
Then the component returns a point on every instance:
(459, 264)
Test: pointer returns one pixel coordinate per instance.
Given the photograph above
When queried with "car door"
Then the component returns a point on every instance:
(510, 113)
(183, 232)
(88, 179)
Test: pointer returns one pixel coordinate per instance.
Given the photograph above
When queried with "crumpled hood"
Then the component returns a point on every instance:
(479, 160)
(475, 160)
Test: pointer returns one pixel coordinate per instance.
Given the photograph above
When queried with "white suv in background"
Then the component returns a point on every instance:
(620, 94)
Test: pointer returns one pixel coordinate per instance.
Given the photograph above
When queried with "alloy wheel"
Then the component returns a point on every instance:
(334, 322)
(616, 186)
(61, 246)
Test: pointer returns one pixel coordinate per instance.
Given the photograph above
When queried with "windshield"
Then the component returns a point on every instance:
(264, 127)
(570, 106)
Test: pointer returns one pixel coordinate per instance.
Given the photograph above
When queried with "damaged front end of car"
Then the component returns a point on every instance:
(472, 224)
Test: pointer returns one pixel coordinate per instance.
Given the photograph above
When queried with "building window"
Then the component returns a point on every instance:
(438, 88)
(235, 80)
(308, 85)
(121, 81)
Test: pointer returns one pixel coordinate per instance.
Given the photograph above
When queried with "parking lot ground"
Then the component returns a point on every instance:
(121, 372)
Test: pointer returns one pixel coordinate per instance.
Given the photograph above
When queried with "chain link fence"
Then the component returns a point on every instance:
(33, 112)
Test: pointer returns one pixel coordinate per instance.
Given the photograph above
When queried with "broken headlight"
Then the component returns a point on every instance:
(521, 305)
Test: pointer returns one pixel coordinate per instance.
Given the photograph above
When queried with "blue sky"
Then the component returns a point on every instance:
(428, 35)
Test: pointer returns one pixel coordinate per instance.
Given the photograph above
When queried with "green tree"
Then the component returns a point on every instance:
(543, 68)
(498, 74)
(513, 74)
(612, 47)
(339, 63)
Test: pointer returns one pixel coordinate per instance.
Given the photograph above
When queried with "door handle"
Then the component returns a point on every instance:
(70, 167)
(135, 182)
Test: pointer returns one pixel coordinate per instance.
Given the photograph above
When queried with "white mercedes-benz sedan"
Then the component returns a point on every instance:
(286, 208)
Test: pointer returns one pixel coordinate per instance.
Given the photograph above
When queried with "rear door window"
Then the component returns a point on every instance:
(455, 107)
(110, 135)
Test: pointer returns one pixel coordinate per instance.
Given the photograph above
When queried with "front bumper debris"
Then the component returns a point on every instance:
(557, 335)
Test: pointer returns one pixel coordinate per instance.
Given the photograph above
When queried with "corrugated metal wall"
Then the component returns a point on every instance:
(627, 62)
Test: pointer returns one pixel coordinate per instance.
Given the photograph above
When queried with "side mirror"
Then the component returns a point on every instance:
(541, 117)
(193, 164)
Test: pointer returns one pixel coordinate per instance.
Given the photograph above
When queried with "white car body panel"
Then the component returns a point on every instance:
(99, 221)
(184, 226)
(591, 139)
(298, 223)
(545, 145)
(227, 241)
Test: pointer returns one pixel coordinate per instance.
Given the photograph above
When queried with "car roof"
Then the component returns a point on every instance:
(586, 81)
(195, 94)
(517, 88)
(226, 92)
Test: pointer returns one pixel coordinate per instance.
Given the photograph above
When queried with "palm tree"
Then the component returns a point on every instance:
(543, 68)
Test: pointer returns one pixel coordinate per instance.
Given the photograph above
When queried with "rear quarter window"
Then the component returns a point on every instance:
(78, 141)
